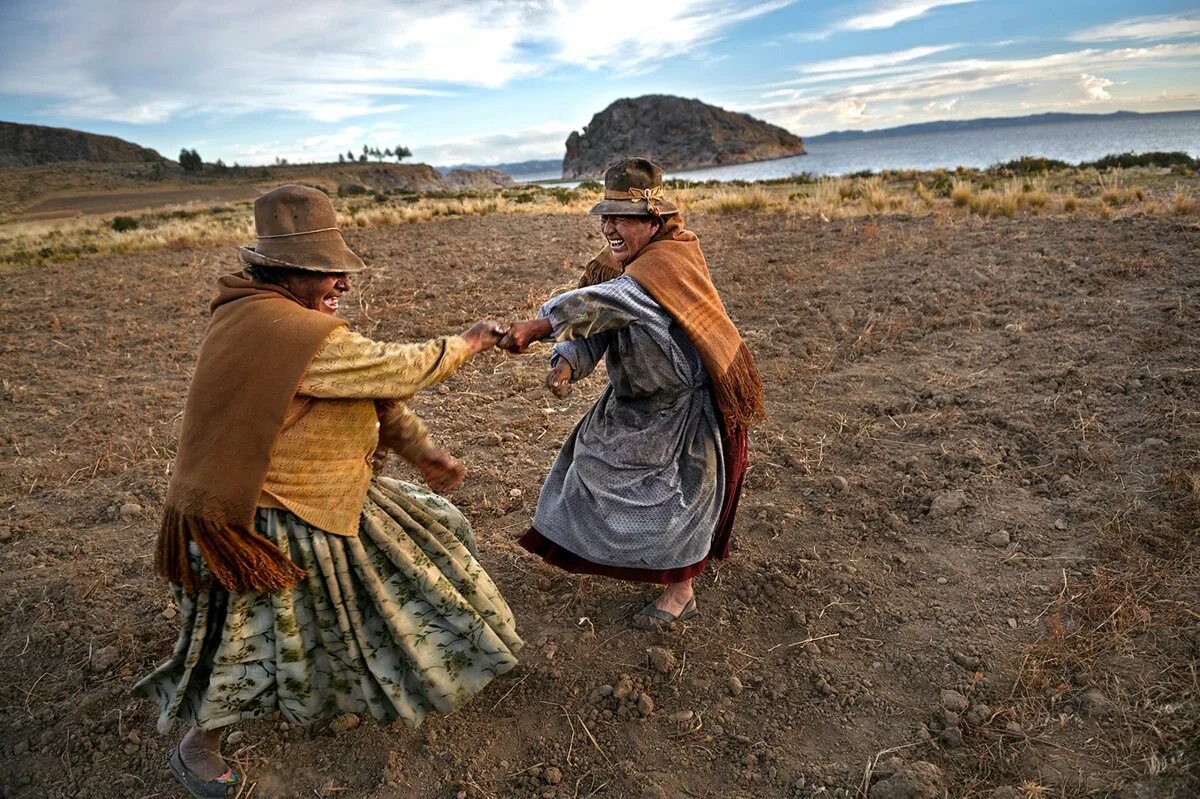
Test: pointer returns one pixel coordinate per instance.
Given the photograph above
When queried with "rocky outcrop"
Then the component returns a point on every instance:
(481, 179)
(420, 178)
(675, 133)
(29, 145)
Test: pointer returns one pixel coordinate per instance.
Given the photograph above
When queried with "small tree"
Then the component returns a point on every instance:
(350, 156)
(190, 160)
(362, 159)
(341, 158)
(401, 152)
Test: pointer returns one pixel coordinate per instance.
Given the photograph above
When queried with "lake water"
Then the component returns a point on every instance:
(1082, 140)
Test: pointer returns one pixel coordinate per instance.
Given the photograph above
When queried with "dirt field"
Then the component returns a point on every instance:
(968, 540)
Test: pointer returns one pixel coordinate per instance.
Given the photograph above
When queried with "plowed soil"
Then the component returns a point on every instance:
(968, 536)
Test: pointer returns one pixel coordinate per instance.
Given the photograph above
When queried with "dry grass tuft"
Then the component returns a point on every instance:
(1183, 203)
(738, 201)
(961, 192)
(924, 195)
(874, 195)
(1110, 187)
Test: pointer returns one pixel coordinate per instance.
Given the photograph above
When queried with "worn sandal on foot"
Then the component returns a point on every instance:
(212, 789)
(652, 617)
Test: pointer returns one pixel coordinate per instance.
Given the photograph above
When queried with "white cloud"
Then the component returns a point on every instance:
(891, 14)
(867, 63)
(1161, 27)
(542, 141)
(1095, 87)
(881, 15)
(963, 86)
(145, 61)
(851, 111)
(940, 106)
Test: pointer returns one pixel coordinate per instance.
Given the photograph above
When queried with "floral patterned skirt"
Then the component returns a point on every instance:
(399, 621)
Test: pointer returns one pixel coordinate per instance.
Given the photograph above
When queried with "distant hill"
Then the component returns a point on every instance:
(30, 145)
(675, 133)
(977, 124)
(516, 169)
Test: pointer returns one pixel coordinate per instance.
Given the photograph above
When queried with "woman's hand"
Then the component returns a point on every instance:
(521, 334)
(558, 379)
(441, 471)
(483, 336)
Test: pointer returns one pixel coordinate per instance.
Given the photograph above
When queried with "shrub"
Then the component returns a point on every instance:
(1183, 203)
(1029, 165)
(590, 185)
(1158, 158)
(1071, 204)
(190, 160)
(124, 223)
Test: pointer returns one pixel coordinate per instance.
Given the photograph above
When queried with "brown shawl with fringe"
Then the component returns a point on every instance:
(259, 342)
(672, 270)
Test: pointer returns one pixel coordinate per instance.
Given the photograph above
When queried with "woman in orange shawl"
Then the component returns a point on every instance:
(646, 487)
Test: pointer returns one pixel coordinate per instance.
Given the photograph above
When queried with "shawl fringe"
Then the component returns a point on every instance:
(240, 560)
(738, 393)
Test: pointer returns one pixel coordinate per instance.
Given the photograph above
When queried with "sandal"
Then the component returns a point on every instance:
(198, 788)
(655, 618)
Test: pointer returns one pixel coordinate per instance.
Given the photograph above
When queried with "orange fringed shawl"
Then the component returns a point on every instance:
(259, 342)
(672, 270)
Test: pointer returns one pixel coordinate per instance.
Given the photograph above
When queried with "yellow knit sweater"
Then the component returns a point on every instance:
(321, 462)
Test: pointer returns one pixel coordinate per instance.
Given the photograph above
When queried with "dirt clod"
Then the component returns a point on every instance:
(918, 780)
(663, 660)
(344, 723)
(947, 504)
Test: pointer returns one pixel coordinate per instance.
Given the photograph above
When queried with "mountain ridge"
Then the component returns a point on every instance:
(981, 123)
(34, 145)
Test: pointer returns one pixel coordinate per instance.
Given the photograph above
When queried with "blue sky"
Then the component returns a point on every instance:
(484, 82)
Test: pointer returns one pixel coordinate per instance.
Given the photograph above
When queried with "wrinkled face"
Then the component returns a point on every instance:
(320, 290)
(627, 235)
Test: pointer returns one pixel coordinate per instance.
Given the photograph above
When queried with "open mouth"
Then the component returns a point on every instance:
(616, 244)
(330, 302)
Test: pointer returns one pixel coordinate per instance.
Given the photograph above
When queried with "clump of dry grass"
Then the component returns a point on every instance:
(1110, 187)
(1071, 203)
(1183, 202)
(829, 193)
(737, 201)
(961, 192)
(874, 196)
(924, 194)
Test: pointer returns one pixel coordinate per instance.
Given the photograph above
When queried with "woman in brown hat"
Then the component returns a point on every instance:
(307, 586)
(647, 485)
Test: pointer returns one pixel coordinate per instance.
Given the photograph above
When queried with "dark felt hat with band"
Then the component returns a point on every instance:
(633, 187)
(297, 228)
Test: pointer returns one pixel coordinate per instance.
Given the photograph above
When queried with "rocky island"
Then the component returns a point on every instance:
(675, 133)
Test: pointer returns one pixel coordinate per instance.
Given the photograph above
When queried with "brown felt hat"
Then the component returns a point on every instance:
(633, 187)
(297, 228)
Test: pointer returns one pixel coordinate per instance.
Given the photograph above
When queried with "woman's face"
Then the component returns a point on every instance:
(320, 290)
(627, 235)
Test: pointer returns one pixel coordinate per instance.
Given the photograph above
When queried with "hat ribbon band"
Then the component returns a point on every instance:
(301, 233)
(651, 195)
